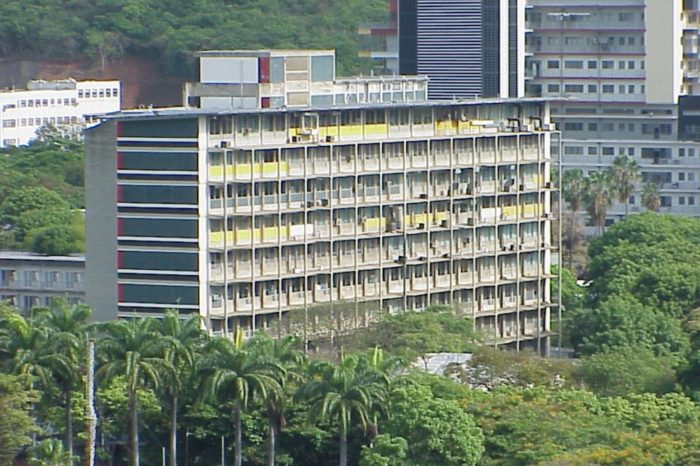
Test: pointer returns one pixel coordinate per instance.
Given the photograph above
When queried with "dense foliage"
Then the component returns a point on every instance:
(169, 31)
(165, 384)
(645, 286)
(41, 192)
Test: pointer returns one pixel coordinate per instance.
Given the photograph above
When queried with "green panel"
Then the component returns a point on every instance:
(154, 260)
(322, 68)
(156, 128)
(159, 161)
(159, 294)
(277, 70)
(159, 227)
(158, 194)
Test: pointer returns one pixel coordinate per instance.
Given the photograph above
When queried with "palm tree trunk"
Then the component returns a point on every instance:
(572, 235)
(238, 454)
(271, 441)
(69, 424)
(133, 429)
(627, 204)
(343, 448)
(173, 432)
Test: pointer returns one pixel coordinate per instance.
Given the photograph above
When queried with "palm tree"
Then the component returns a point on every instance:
(378, 369)
(50, 453)
(68, 326)
(625, 172)
(342, 394)
(182, 340)
(233, 373)
(574, 189)
(132, 348)
(650, 197)
(23, 343)
(285, 352)
(599, 197)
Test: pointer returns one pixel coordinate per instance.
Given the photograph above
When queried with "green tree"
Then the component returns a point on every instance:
(386, 451)
(438, 431)
(27, 199)
(575, 190)
(626, 173)
(132, 349)
(69, 329)
(50, 453)
(284, 352)
(651, 198)
(625, 371)
(599, 197)
(234, 374)
(343, 395)
(182, 340)
(16, 423)
(58, 240)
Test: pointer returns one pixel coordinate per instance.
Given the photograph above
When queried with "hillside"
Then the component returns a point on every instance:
(100, 32)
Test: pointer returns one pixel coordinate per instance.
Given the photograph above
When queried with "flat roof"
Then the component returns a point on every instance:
(32, 256)
(263, 52)
(187, 112)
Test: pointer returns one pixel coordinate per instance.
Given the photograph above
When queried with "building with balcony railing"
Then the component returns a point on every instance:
(29, 280)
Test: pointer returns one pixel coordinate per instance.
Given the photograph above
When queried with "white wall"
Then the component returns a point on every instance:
(664, 51)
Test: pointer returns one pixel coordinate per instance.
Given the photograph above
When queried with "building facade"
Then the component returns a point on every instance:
(68, 106)
(30, 280)
(319, 219)
(615, 71)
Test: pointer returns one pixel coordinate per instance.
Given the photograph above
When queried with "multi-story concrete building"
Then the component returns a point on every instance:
(321, 217)
(67, 105)
(30, 280)
(617, 69)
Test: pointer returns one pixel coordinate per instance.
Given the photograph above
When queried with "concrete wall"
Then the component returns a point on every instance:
(101, 221)
(664, 51)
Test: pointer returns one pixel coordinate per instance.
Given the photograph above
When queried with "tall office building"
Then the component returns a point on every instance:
(615, 70)
(468, 48)
(316, 218)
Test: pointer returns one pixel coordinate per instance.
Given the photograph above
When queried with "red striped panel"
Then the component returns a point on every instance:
(263, 70)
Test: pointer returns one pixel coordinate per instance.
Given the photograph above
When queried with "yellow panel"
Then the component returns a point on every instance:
(510, 211)
(446, 127)
(270, 233)
(230, 170)
(269, 168)
(351, 130)
(440, 216)
(217, 171)
(243, 169)
(376, 129)
(230, 237)
(216, 238)
(243, 236)
(421, 218)
(326, 131)
(284, 168)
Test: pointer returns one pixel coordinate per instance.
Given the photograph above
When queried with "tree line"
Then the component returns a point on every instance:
(165, 385)
(41, 195)
(169, 31)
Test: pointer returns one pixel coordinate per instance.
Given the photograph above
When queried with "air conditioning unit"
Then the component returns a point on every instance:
(446, 255)
(445, 224)
(423, 196)
(511, 247)
(548, 185)
(470, 222)
(324, 202)
(521, 187)
(310, 204)
(421, 226)
(223, 144)
(330, 138)
(527, 128)
(422, 258)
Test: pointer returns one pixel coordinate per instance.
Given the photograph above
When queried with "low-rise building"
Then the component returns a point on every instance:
(29, 280)
(67, 105)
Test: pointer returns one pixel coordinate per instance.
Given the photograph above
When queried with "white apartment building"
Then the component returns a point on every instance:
(67, 105)
(618, 68)
(29, 280)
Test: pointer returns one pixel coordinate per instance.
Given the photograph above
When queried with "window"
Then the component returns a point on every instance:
(553, 88)
(115, 92)
(22, 103)
(592, 64)
(691, 200)
(608, 151)
(9, 123)
(80, 93)
(630, 65)
(573, 150)
(573, 64)
(681, 152)
(630, 89)
(621, 64)
(608, 88)
(552, 64)
(630, 151)
(691, 176)
(621, 88)
(608, 64)
(681, 176)
(681, 200)
(592, 150)
(573, 88)
(592, 126)
(592, 88)
(573, 126)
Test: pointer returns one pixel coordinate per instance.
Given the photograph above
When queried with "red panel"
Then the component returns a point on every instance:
(265, 102)
(120, 129)
(120, 259)
(120, 193)
(120, 226)
(120, 294)
(120, 160)
(263, 70)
